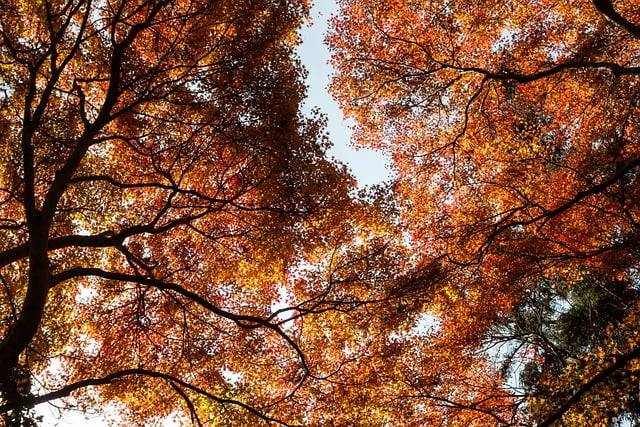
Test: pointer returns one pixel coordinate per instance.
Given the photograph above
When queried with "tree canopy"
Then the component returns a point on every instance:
(513, 128)
(176, 245)
(168, 214)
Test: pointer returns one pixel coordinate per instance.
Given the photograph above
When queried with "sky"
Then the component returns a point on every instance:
(368, 166)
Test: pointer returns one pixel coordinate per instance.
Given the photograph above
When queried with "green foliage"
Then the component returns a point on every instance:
(560, 327)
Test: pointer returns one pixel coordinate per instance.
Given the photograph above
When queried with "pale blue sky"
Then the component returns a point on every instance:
(368, 166)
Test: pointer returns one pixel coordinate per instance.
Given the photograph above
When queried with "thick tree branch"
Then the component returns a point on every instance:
(606, 8)
(242, 320)
(67, 390)
(620, 362)
(395, 66)
(596, 189)
(192, 410)
(615, 69)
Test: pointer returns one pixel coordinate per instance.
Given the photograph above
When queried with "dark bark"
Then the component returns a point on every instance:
(620, 361)
(606, 8)
(26, 326)
(174, 381)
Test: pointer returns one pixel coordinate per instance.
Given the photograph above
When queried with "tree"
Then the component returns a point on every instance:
(513, 129)
(563, 333)
(167, 212)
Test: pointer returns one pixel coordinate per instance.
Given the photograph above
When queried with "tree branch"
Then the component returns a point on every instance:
(606, 8)
(189, 403)
(596, 189)
(67, 390)
(620, 362)
(242, 320)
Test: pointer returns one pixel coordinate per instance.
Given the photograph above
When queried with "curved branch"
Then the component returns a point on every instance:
(615, 69)
(596, 189)
(620, 362)
(102, 240)
(242, 320)
(219, 202)
(67, 390)
(473, 406)
(606, 8)
(192, 410)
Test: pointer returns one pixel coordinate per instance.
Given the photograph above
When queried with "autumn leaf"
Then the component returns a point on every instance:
(513, 132)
